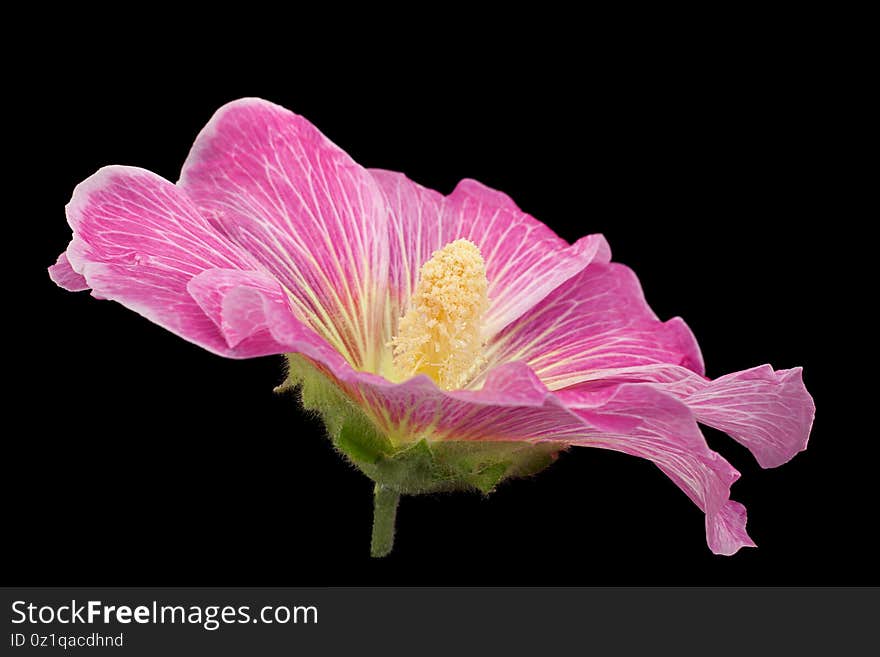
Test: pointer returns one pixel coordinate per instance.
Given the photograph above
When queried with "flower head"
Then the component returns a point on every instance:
(448, 341)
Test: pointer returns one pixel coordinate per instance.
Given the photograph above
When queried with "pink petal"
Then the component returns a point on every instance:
(769, 412)
(236, 302)
(252, 311)
(415, 231)
(597, 320)
(665, 432)
(525, 260)
(137, 239)
(62, 275)
(303, 209)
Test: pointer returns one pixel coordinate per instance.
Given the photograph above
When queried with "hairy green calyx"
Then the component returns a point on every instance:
(412, 468)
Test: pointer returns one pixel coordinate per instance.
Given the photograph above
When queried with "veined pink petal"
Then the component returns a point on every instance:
(665, 431)
(272, 183)
(63, 275)
(596, 320)
(525, 260)
(769, 412)
(252, 311)
(415, 232)
(138, 240)
(236, 302)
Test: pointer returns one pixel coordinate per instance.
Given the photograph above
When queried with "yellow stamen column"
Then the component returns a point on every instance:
(441, 333)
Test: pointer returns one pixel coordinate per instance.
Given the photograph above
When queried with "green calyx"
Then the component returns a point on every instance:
(415, 467)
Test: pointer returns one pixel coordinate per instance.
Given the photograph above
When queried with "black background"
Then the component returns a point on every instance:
(710, 164)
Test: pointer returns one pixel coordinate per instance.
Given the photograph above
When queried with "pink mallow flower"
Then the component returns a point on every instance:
(449, 342)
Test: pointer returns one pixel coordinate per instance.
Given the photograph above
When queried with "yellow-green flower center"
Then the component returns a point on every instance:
(441, 334)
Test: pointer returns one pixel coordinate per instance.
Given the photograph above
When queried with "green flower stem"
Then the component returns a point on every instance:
(385, 502)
